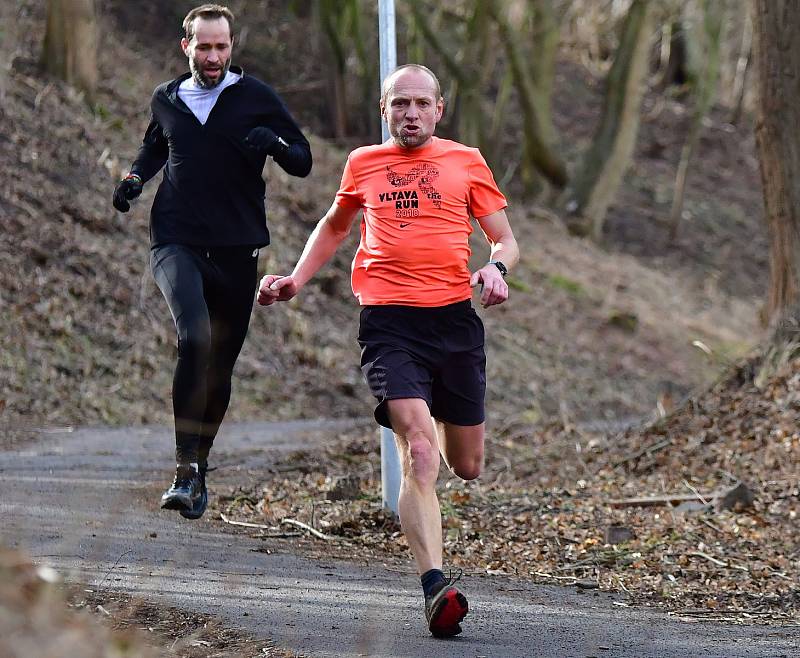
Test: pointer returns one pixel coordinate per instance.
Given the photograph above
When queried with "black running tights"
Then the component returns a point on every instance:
(210, 294)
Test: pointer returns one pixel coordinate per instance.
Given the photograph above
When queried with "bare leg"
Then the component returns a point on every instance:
(418, 441)
(419, 447)
(418, 505)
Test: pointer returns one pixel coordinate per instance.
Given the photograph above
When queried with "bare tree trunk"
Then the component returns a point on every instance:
(479, 42)
(70, 43)
(704, 87)
(538, 152)
(776, 24)
(540, 55)
(609, 155)
(330, 17)
(468, 84)
(504, 88)
(415, 39)
(368, 74)
(742, 67)
(543, 65)
(673, 66)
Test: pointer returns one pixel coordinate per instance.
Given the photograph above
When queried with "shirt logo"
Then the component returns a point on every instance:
(404, 224)
(406, 202)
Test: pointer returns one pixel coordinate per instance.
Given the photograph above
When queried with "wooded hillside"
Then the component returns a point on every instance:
(594, 332)
(623, 134)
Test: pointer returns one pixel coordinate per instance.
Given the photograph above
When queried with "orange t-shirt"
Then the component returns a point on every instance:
(415, 230)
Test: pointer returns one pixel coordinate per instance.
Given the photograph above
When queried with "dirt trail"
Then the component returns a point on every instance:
(85, 502)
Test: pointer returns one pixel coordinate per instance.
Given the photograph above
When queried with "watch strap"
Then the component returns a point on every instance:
(500, 266)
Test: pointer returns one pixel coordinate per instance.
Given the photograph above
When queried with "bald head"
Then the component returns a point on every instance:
(411, 105)
(390, 80)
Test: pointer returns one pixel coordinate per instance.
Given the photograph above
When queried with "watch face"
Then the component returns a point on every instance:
(500, 266)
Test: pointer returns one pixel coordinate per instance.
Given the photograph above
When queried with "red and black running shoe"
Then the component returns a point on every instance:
(445, 609)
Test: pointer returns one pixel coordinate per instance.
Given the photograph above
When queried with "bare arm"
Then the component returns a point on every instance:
(323, 242)
(503, 248)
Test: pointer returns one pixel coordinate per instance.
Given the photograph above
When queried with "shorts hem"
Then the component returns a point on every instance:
(381, 413)
(459, 423)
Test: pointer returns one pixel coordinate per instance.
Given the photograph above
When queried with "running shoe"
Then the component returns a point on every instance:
(445, 609)
(186, 489)
(201, 503)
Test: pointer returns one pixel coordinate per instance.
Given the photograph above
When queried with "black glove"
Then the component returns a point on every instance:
(264, 140)
(127, 189)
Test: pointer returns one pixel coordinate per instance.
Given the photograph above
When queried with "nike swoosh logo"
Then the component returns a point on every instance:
(404, 224)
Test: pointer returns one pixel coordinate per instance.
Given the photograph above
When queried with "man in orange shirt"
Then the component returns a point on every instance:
(422, 342)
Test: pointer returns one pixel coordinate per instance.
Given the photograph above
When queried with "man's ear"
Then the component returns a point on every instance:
(185, 46)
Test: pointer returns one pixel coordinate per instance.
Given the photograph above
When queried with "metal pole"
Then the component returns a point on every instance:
(388, 46)
(390, 460)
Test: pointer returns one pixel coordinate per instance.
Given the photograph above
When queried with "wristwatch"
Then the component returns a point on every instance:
(281, 146)
(499, 265)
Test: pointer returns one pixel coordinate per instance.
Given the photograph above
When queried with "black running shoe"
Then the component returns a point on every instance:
(202, 501)
(445, 609)
(185, 490)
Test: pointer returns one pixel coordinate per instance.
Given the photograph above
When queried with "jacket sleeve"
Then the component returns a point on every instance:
(153, 152)
(296, 159)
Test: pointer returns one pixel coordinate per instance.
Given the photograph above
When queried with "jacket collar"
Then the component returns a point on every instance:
(172, 87)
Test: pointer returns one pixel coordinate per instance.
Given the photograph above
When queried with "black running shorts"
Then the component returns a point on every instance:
(435, 354)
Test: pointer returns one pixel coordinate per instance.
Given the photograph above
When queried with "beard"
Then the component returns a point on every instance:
(201, 79)
(406, 140)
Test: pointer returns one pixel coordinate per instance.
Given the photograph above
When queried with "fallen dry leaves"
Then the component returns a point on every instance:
(542, 510)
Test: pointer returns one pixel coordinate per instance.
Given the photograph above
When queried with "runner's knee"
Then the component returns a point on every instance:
(422, 458)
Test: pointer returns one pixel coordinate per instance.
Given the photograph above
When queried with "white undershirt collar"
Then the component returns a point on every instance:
(200, 100)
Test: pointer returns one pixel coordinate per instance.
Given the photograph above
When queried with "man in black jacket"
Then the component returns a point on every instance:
(213, 127)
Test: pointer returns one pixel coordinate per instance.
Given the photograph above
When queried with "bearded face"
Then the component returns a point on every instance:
(209, 51)
(208, 74)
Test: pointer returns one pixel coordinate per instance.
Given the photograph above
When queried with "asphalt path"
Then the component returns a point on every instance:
(86, 503)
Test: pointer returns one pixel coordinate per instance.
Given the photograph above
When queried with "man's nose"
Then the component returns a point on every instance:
(412, 111)
(213, 55)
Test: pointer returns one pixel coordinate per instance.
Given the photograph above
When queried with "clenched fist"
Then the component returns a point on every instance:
(276, 288)
(126, 190)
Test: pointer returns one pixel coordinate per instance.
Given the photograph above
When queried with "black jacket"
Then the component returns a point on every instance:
(212, 193)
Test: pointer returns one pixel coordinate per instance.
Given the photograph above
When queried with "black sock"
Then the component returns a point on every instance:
(203, 450)
(430, 581)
